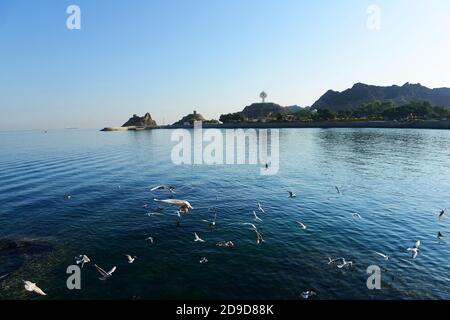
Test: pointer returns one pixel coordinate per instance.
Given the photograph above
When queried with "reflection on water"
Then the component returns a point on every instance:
(396, 179)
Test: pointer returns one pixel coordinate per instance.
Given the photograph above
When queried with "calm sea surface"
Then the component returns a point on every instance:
(398, 180)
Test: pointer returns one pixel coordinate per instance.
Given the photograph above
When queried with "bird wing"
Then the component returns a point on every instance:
(102, 272)
(39, 291)
(112, 270)
(157, 188)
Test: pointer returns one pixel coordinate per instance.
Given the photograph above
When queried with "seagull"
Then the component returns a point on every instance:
(182, 204)
(225, 244)
(291, 194)
(414, 251)
(441, 213)
(150, 239)
(203, 260)
(197, 238)
(308, 294)
(357, 215)
(333, 261)
(337, 189)
(169, 188)
(386, 257)
(256, 217)
(440, 235)
(145, 205)
(82, 259)
(32, 287)
(68, 197)
(345, 264)
(105, 275)
(301, 225)
(211, 223)
(260, 208)
(130, 258)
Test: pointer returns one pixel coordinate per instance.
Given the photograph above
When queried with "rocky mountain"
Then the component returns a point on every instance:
(361, 93)
(136, 121)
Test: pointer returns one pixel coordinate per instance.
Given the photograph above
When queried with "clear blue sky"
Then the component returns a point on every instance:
(169, 57)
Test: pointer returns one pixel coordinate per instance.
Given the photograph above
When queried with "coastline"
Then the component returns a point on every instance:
(425, 124)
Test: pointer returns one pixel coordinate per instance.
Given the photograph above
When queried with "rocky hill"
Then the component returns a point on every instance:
(360, 94)
(136, 121)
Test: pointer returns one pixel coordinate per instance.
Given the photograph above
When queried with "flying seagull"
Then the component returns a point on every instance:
(356, 215)
(337, 190)
(130, 258)
(291, 194)
(82, 259)
(308, 294)
(183, 205)
(440, 235)
(441, 213)
(301, 225)
(259, 237)
(256, 216)
(197, 238)
(169, 188)
(414, 252)
(260, 208)
(150, 239)
(384, 256)
(32, 287)
(203, 260)
(105, 275)
(345, 264)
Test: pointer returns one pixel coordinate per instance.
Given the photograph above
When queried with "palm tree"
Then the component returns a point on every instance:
(263, 96)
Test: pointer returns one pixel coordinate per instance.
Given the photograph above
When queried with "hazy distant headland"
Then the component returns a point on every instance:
(407, 106)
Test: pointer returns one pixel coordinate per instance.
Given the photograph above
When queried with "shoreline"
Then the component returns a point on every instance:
(425, 124)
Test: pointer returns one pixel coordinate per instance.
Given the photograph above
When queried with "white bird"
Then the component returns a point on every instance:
(32, 287)
(150, 239)
(197, 238)
(203, 260)
(301, 225)
(291, 194)
(225, 244)
(183, 205)
(308, 294)
(345, 264)
(441, 213)
(256, 216)
(414, 251)
(169, 188)
(384, 256)
(82, 259)
(130, 258)
(260, 208)
(69, 197)
(357, 215)
(105, 275)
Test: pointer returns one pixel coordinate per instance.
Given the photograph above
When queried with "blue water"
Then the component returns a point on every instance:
(398, 180)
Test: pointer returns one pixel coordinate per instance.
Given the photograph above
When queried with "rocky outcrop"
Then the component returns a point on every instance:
(189, 119)
(136, 121)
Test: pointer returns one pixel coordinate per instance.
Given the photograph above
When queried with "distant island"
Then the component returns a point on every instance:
(411, 105)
